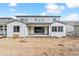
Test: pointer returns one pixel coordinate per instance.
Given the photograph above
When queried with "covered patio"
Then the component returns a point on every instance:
(38, 30)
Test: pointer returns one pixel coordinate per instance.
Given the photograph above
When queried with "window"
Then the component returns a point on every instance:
(54, 19)
(54, 29)
(60, 28)
(39, 30)
(26, 20)
(22, 19)
(1, 28)
(39, 20)
(57, 28)
(16, 29)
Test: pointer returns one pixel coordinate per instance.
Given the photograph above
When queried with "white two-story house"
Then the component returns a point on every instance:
(30, 25)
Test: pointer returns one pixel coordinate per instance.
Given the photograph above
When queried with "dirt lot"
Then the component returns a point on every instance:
(39, 46)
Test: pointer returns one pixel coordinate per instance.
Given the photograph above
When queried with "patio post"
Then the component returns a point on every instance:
(4, 30)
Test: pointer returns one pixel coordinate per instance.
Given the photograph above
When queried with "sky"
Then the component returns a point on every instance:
(67, 11)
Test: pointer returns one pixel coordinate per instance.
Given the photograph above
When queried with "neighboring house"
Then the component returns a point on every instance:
(25, 26)
(72, 28)
(69, 27)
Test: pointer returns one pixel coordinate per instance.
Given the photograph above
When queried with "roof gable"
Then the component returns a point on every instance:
(17, 21)
(59, 22)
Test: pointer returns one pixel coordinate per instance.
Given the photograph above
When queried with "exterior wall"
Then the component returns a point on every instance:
(31, 31)
(23, 29)
(38, 19)
(57, 34)
(70, 30)
(76, 30)
(45, 28)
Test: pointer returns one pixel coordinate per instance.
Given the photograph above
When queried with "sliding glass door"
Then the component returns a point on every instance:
(39, 30)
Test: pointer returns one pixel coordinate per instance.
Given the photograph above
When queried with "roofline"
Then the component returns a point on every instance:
(76, 26)
(34, 16)
(60, 22)
(6, 18)
(15, 20)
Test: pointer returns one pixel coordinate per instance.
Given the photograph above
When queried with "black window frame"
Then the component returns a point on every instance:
(60, 28)
(54, 19)
(54, 28)
(16, 29)
(57, 28)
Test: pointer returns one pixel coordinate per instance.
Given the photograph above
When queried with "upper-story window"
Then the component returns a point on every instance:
(54, 19)
(22, 19)
(39, 20)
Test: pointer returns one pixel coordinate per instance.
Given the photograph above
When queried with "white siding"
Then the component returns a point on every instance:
(39, 19)
(70, 30)
(23, 29)
(76, 31)
(57, 34)
(32, 30)
(45, 28)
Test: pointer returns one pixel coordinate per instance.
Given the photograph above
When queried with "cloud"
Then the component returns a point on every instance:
(22, 14)
(12, 4)
(54, 8)
(72, 3)
(72, 17)
(43, 13)
(13, 9)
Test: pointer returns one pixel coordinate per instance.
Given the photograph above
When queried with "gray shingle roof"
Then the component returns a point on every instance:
(4, 20)
(73, 23)
(16, 20)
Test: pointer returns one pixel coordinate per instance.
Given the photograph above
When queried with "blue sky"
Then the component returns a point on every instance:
(55, 9)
